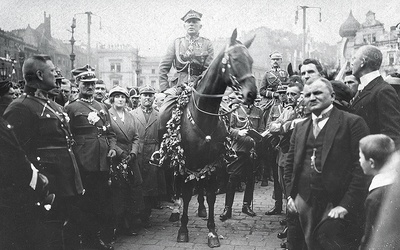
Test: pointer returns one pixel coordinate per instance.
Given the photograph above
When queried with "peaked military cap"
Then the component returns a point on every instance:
(276, 55)
(84, 74)
(192, 14)
(134, 93)
(59, 75)
(147, 90)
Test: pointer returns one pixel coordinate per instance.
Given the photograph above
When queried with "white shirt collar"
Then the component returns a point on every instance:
(326, 110)
(367, 78)
(382, 179)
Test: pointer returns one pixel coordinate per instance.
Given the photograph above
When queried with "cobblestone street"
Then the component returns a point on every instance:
(240, 232)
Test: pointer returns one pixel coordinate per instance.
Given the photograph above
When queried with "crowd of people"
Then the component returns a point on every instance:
(77, 158)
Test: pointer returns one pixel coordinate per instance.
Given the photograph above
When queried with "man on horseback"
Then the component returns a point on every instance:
(275, 78)
(190, 55)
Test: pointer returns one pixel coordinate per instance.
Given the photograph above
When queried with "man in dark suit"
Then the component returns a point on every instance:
(325, 183)
(95, 144)
(377, 102)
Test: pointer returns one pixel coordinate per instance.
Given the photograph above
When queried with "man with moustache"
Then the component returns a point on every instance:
(146, 122)
(325, 184)
(100, 91)
(377, 102)
(95, 144)
(274, 78)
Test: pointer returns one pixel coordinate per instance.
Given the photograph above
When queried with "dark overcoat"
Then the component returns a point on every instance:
(379, 105)
(42, 129)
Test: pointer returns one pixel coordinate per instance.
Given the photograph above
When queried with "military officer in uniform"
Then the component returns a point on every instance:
(41, 126)
(274, 78)
(95, 144)
(243, 167)
(190, 55)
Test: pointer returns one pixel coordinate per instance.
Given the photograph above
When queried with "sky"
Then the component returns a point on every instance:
(151, 25)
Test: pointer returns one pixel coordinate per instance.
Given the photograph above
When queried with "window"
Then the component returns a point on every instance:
(153, 83)
(391, 58)
(153, 71)
(115, 82)
(115, 67)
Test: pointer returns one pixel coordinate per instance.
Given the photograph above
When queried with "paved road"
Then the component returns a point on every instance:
(241, 232)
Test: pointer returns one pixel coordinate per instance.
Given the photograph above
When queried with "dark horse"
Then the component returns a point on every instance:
(203, 132)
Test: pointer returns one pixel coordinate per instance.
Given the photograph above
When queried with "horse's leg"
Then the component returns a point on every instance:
(201, 211)
(183, 233)
(213, 240)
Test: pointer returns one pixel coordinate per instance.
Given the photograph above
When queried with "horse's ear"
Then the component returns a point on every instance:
(233, 37)
(249, 42)
(290, 69)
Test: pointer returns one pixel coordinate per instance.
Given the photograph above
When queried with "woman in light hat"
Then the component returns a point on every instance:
(125, 177)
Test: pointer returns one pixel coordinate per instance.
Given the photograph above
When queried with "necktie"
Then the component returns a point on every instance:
(316, 128)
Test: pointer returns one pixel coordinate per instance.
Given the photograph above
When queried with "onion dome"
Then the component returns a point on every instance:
(350, 27)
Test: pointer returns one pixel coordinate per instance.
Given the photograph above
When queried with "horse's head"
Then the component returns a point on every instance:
(237, 68)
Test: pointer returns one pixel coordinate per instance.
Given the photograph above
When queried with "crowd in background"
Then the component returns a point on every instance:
(76, 157)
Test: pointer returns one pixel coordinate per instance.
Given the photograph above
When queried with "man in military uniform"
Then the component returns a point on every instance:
(95, 144)
(244, 165)
(41, 126)
(190, 55)
(275, 78)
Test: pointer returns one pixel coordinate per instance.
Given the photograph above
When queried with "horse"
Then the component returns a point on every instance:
(202, 131)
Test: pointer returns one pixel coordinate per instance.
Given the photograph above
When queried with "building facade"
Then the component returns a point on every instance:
(117, 65)
(371, 31)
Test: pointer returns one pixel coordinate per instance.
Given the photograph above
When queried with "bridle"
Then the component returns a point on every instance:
(235, 82)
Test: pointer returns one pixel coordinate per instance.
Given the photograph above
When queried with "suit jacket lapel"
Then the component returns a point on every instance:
(332, 127)
(302, 134)
(140, 116)
(367, 90)
(119, 122)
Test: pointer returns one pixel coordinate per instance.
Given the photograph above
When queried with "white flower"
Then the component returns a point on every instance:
(66, 117)
(93, 118)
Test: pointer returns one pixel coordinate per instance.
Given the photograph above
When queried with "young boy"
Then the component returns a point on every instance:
(375, 151)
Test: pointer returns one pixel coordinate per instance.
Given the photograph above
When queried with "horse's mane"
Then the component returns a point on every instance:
(218, 58)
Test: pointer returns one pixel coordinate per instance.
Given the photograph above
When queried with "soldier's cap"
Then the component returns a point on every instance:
(192, 14)
(276, 55)
(134, 93)
(119, 90)
(84, 74)
(282, 88)
(59, 76)
(147, 90)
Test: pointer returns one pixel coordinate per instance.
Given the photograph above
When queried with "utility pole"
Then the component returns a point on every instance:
(72, 41)
(89, 16)
(304, 8)
(89, 23)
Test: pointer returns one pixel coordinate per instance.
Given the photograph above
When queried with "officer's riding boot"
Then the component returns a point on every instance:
(247, 209)
(100, 244)
(230, 194)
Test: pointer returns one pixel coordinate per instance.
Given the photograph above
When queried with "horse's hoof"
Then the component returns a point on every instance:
(183, 237)
(213, 240)
(174, 217)
(202, 212)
